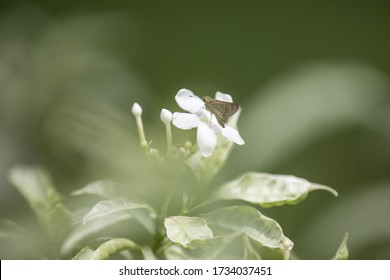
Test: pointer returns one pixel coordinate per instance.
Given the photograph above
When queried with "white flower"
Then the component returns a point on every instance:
(207, 125)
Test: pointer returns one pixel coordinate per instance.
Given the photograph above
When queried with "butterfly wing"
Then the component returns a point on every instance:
(222, 110)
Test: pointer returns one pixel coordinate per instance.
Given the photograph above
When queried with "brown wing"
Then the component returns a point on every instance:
(221, 109)
(229, 110)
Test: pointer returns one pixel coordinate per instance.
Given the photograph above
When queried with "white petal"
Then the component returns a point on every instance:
(234, 119)
(206, 139)
(211, 121)
(188, 101)
(185, 120)
(233, 135)
(214, 125)
(223, 97)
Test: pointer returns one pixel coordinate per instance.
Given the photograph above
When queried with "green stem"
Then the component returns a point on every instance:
(160, 233)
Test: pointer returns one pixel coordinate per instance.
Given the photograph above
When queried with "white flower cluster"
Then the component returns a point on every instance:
(197, 117)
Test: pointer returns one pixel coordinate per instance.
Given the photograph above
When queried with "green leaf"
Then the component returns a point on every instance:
(147, 253)
(220, 246)
(249, 221)
(83, 232)
(105, 250)
(177, 252)
(84, 254)
(184, 230)
(342, 253)
(141, 212)
(35, 185)
(113, 246)
(267, 189)
(104, 188)
(250, 253)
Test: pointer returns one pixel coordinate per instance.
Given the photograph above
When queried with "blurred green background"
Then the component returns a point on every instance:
(313, 79)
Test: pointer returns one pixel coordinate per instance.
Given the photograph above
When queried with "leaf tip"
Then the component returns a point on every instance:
(325, 188)
(342, 253)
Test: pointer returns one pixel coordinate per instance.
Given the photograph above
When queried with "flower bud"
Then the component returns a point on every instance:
(136, 110)
(166, 116)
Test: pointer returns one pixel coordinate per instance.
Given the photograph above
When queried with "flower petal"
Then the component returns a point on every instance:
(234, 119)
(206, 139)
(185, 120)
(233, 135)
(223, 97)
(188, 101)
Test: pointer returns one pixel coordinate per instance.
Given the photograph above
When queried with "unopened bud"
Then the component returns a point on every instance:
(166, 116)
(136, 110)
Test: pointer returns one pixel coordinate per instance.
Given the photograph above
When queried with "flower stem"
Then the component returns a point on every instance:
(166, 118)
(169, 137)
(137, 112)
(140, 127)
